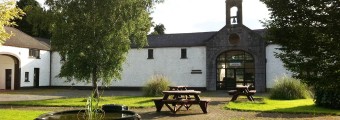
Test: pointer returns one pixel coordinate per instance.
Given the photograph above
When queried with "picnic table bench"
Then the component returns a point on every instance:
(177, 103)
(181, 87)
(242, 90)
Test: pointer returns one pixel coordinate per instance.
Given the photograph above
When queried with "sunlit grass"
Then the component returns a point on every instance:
(286, 106)
(8, 114)
(131, 101)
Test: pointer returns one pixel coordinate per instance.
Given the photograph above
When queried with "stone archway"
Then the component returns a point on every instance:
(233, 68)
(9, 72)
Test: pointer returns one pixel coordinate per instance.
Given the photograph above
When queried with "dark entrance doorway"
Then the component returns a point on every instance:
(8, 77)
(12, 76)
(36, 77)
(234, 68)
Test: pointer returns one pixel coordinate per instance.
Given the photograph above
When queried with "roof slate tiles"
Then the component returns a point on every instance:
(21, 39)
(179, 40)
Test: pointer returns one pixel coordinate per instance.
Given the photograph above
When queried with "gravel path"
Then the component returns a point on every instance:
(215, 108)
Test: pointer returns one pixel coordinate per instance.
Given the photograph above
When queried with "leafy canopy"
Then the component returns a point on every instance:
(8, 12)
(158, 29)
(37, 21)
(95, 35)
(308, 31)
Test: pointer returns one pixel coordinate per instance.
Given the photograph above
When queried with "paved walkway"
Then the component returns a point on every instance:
(216, 109)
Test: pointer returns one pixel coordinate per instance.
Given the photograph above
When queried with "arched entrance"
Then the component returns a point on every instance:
(234, 68)
(9, 72)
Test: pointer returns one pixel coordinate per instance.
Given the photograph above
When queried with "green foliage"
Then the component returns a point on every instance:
(282, 106)
(37, 21)
(92, 109)
(8, 12)
(328, 97)
(158, 30)
(287, 88)
(156, 85)
(95, 35)
(308, 31)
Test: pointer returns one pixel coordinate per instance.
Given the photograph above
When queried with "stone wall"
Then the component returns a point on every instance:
(250, 42)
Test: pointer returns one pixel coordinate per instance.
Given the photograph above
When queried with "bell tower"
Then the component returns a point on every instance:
(233, 12)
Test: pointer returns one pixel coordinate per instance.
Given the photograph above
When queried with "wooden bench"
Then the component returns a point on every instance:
(178, 104)
(232, 92)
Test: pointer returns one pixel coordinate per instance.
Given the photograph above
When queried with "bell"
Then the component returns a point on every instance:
(234, 20)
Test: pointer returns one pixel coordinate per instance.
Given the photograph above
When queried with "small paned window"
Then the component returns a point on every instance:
(27, 77)
(150, 53)
(35, 53)
(183, 53)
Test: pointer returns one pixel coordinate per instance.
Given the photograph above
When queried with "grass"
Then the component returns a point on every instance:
(8, 114)
(283, 106)
(131, 101)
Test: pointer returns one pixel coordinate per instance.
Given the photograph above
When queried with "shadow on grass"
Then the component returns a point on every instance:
(307, 111)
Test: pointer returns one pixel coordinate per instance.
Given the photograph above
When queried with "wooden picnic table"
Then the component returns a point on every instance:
(176, 103)
(242, 90)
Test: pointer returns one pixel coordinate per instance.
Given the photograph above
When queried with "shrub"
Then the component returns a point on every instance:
(156, 85)
(327, 97)
(288, 88)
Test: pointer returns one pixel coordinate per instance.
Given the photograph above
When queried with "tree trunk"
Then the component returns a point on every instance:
(94, 83)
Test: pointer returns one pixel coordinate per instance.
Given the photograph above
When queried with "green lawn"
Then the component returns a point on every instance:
(8, 114)
(286, 106)
(131, 101)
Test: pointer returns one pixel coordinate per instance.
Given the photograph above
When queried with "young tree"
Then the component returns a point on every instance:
(8, 12)
(308, 31)
(95, 35)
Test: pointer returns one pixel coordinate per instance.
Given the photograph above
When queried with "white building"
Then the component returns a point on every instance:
(24, 62)
(209, 60)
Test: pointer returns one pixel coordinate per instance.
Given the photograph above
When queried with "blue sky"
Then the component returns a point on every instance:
(186, 16)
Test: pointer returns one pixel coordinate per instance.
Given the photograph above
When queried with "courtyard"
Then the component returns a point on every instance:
(216, 108)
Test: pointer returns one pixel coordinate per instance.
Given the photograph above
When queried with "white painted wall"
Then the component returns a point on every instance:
(56, 67)
(275, 68)
(167, 61)
(28, 64)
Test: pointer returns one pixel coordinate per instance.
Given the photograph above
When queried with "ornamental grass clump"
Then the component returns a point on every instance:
(156, 85)
(287, 88)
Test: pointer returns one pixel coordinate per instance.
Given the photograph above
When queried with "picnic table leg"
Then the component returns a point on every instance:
(159, 105)
(187, 106)
(204, 106)
(180, 106)
(170, 108)
(250, 98)
(234, 97)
